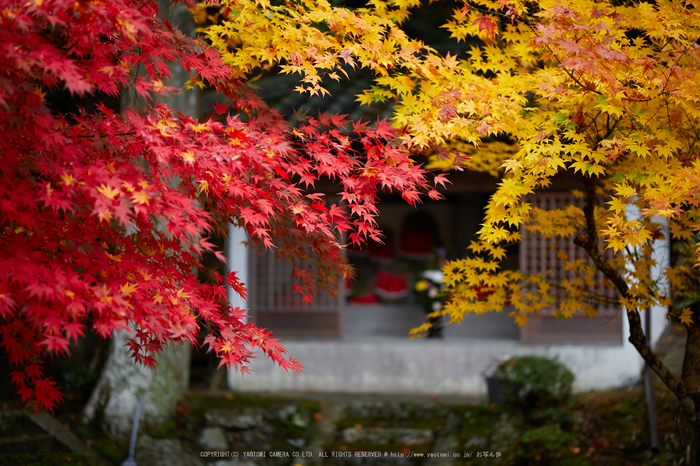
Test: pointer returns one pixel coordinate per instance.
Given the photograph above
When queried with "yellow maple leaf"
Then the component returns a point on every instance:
(520, 319)
(686, 316)
(128, 288)
(105, 215)
(108, 191)
(198, 128)
(188, 156)
(140, 197)
(67, 179)
(115, 258)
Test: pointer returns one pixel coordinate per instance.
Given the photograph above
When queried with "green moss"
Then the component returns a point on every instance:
(596, 428)
(109, 450)
(22, 427)
(240, 400)
(167, 429)
(44, 458)
(416, 423)
(476, 423)
(388, 447)
(431, 416)
(549, 442)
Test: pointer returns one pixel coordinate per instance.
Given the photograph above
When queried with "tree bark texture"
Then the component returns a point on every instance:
(691, 379)
(113, 401)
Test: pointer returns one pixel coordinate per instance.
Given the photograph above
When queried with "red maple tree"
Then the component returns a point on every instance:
(105, 215)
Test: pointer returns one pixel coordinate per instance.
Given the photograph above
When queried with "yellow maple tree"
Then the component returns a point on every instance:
(605, 92)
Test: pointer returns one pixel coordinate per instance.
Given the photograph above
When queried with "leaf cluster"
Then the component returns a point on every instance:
(602, 94)
(105, 216)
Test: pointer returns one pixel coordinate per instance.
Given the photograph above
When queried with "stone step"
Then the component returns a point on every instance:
(25, 443)
(14, 420)
(21, 432)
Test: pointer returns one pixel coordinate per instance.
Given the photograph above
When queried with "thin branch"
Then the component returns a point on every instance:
(147, 2)
(637, 337)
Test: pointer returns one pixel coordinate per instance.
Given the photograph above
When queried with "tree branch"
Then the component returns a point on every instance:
(637, 338)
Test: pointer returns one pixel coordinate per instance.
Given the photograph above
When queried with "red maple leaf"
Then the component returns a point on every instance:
(105, 215)
(486, 24)
(221, 108)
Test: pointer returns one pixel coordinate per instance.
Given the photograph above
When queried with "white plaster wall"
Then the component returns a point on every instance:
(429, 367)
(662, 259)
(237, 255)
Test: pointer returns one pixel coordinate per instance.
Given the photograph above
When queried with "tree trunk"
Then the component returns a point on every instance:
(113, 400)
(691, 379)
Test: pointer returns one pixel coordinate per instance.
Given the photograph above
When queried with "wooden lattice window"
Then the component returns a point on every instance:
(276, 307)
(539, 255)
